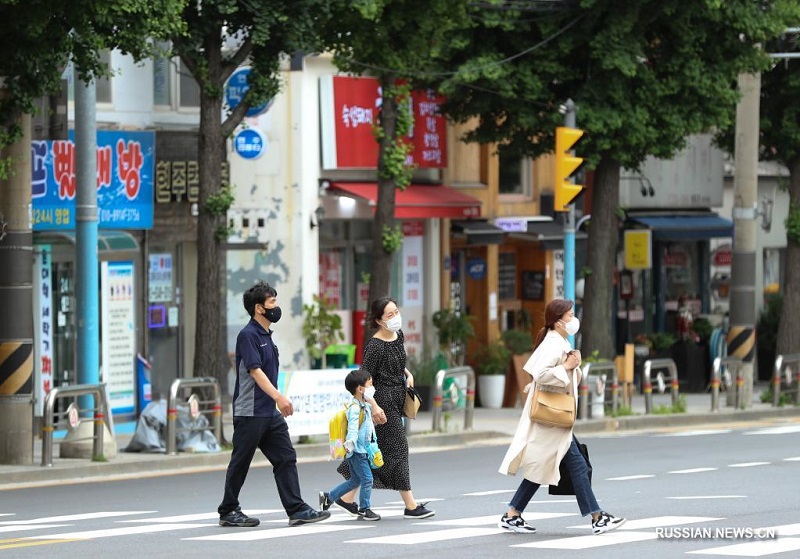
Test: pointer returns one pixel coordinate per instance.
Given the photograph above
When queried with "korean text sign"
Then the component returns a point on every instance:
(125, 166)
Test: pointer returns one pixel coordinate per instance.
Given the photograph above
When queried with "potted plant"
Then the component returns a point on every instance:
(454, 330)
(492, 363)
(424, 368)
(520, 344)
(321, 328)
(767, 335)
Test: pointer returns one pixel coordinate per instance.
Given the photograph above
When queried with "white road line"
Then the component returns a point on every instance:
(431, 536)
(493, 519)
(792, 459)
(656, 522)
(748, 464)
(255, 534)
(484, 493)
(196, 517)
(752, 549)
(693, 471)
(73, 517)
(27, 527)
(126, 531)
(587, 542)
(417, 499)
(704, 497)
(781, 430)
(626, 478)
(694, 433)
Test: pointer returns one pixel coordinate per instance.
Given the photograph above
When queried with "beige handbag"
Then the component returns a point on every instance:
(555, 409)
(412, 403)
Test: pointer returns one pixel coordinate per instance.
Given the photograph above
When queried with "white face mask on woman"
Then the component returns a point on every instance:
(394, 324)
(572, 326)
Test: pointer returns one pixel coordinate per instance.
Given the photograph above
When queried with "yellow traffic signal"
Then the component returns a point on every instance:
(566, 164)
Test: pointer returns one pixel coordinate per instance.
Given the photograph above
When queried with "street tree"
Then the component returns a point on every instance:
(221, 36)
(645, 74)
(401, 43)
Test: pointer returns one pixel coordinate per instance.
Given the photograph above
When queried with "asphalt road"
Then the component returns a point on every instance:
(687, 492)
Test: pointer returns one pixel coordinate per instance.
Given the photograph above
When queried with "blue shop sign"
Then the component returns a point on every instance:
(125, 169)
(235, 90)
(476, 268)
(250, 143)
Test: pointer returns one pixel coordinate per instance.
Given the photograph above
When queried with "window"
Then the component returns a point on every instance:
(188, 89)
(173, 84)
(515, 175)
(102, 84)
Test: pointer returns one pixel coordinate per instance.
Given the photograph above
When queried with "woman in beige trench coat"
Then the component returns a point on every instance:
(537, 450)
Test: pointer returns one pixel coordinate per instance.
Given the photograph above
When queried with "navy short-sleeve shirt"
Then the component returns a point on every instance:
(254, 350)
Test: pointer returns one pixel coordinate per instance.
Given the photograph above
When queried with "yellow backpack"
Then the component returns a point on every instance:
(337, 431)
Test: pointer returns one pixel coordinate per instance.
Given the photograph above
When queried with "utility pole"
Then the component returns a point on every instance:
(16, 300)
(742, 334)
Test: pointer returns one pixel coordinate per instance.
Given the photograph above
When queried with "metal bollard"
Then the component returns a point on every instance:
(594, 367)
(48, 424)
(215, 411)
(647, 384)
(784, 363)
(438, 389)
(729, 363)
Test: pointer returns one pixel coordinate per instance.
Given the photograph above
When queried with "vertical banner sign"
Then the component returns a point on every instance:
(125, 164)
(118, 334)
(330, 277)
(557, 279)
(159, 278)
(43, 325)
(412, 301)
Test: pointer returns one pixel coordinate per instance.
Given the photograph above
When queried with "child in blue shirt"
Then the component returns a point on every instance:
(360, 431)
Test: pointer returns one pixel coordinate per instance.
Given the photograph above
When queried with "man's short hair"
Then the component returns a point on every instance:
(356, 378)
(256, 295)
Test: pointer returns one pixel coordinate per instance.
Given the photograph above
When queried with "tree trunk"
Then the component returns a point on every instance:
(380, 275)
(601, 260)
(789, 326)
(210, 351)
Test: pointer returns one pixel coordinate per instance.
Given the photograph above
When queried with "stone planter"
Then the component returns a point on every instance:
(490, 390)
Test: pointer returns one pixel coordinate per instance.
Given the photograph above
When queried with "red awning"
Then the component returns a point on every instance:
(417, 201)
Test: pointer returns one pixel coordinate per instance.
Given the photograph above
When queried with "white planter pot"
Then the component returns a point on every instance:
(491, 389)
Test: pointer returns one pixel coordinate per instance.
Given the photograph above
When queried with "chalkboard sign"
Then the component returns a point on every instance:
(533, 285)
(507, 276)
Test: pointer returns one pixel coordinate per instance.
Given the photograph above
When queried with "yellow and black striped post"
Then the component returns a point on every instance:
(742, 343)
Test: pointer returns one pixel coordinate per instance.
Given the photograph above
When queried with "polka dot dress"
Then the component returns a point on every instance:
(386, 362)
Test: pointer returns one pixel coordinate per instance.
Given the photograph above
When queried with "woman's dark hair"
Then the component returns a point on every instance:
(257, 295)
(356, 378)
(376, 311)
(552, 313)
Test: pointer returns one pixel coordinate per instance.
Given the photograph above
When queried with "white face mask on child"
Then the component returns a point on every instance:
(369, 392)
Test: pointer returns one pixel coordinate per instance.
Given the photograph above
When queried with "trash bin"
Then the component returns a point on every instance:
(144, 391)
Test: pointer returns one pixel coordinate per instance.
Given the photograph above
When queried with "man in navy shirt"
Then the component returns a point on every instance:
(258, 416)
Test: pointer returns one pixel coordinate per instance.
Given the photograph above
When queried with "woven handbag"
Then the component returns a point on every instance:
(555, 409)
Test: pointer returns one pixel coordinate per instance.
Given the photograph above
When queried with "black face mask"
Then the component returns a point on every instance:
(273, 314)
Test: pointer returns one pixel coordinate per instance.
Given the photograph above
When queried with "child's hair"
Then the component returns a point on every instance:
(356, 378)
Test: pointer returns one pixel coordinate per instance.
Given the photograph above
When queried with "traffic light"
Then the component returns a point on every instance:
(566, 164)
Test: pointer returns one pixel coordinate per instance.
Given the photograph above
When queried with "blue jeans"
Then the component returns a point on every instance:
(576, 465)
(360, 475)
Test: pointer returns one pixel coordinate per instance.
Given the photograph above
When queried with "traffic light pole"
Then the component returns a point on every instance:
(569, 227)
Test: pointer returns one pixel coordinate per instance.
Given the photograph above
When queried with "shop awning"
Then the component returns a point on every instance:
(686, 227)
(478, 232)
(107, 240)
(417, 201)
(539, 229)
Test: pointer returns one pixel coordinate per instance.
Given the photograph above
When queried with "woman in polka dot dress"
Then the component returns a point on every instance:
(385, 359)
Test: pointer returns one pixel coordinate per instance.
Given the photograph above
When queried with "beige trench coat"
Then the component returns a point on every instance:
(537, 450)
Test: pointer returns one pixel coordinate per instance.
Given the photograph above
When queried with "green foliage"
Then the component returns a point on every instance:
(767, 327)
(792, 223)
(392, 238)
(623, 411)
(661, 340)
(703, 328)
(593, 357)
(518, 342)
(677, 407)
(493, 359)
(321, 326)
(425, 366)
(454, 330)
(784, 398)
(220, 202)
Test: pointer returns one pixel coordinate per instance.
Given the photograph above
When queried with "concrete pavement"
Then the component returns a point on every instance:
(490, 426)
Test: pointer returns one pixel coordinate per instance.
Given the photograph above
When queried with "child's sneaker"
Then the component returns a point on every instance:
(418, 513)
(324, 501)
(367, 514)
(515, 524)
(606, 522)
(352, 508)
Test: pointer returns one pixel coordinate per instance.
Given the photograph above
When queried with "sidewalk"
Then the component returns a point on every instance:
(490, 426)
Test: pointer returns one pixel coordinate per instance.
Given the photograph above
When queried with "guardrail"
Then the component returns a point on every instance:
(210, 407)
(100, 410)
(730, 363)
(647, 385)
(583, 388)
(785, 363)
(438, 391)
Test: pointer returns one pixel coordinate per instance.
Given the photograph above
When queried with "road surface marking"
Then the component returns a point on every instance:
(586, 542)
(626, 478)
(704, 497)
(792, 459)
(748, 464)
(21, 542)
(430, 536)
(694, 433)
(759, 548)
(782, 430)
(493, 519)
(484, 493)
(692, 471)
(255, 534)
(26, 528)
(73, 517)
(126, 531)
(656, 522)
(196, 517)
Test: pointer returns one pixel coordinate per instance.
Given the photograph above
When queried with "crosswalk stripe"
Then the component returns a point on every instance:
(705, 497)
(781, 430)
(197, 517)
(26, 528)
(74, 517)
(484, 493)
(126, 531)
(693, 471)
(493, 519)
(694, 433)
(586, 542)
(431, 536)
(658, 522)
(272, 533)
(792, 459)
(626, 478)
(748, 464)
(752, 549)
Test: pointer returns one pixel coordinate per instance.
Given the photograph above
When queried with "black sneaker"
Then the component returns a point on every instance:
(308, 516)
(418, 513)
(239, 519)
(515, 524)
(606, 522)
(352, 508)
(324, 501)
(367, 514)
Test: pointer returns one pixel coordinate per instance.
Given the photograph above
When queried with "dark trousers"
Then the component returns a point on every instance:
(271, 436)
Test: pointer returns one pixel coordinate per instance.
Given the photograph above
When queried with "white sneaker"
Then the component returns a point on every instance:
(515, 524)
(606, 522)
